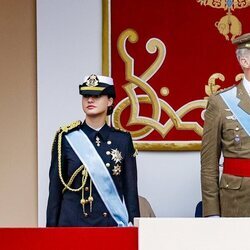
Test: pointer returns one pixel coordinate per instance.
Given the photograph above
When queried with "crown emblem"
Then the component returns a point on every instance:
(228, 24)
(92, 81)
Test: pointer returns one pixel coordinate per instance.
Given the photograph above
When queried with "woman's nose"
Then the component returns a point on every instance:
(90, 99)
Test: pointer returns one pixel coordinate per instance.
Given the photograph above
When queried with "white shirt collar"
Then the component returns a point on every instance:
(96, 129)
(246, 84)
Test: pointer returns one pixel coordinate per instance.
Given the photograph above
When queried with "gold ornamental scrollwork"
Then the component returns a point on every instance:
(133, 100)
(159, 105)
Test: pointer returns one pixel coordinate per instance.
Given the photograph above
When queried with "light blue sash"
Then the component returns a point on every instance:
(99, 174)
(232, 102)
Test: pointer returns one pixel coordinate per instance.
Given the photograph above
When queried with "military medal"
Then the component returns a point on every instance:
(237, 138)
(116, 155)
(97, 141)
(117, 169)
(231, 117)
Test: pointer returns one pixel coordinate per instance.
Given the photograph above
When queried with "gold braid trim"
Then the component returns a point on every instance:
(59, 148)
(74, 176)
(54, 141)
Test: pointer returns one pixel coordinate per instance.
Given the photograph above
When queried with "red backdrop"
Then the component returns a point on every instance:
(195, 50)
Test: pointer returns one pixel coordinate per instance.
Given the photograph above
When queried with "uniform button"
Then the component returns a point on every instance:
(109, 142)
(227, 186)
(85, 214)
(107, 164)
(108, 153)
(237, 128)
(87, 189)
(105, 214)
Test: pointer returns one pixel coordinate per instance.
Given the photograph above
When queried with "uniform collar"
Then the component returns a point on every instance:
(246, 84)
(244, 97)
(103, 133)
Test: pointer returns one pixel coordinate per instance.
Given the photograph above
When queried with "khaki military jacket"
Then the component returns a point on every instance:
(229, 195)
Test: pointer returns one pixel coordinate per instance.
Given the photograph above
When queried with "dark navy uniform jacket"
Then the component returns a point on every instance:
(64, 209)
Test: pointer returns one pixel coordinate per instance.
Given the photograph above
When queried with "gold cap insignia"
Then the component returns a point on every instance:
(92, 81)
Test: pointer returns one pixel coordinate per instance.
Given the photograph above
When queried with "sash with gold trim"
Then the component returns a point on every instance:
(99, 174)
(229, 97)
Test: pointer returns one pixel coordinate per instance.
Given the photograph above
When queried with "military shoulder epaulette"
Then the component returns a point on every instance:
(225, 89)
(71, 126)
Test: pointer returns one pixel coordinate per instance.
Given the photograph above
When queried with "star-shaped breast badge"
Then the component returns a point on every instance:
(117, 170)
(116, 155)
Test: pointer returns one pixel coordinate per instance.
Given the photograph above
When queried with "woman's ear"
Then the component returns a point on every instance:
(110, 101)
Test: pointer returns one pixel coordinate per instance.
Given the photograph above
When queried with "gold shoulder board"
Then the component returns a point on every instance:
(71, 126)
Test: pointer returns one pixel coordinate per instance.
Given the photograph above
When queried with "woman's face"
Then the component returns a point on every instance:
(96, 105)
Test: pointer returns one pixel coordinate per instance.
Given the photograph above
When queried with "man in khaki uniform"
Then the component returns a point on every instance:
(227, 130)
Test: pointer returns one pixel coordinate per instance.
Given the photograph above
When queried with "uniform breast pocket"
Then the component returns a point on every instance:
(230, 182)
(230, 195)
(233, 134)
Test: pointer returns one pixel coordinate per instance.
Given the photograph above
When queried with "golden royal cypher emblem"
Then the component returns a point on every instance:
(159, 104)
